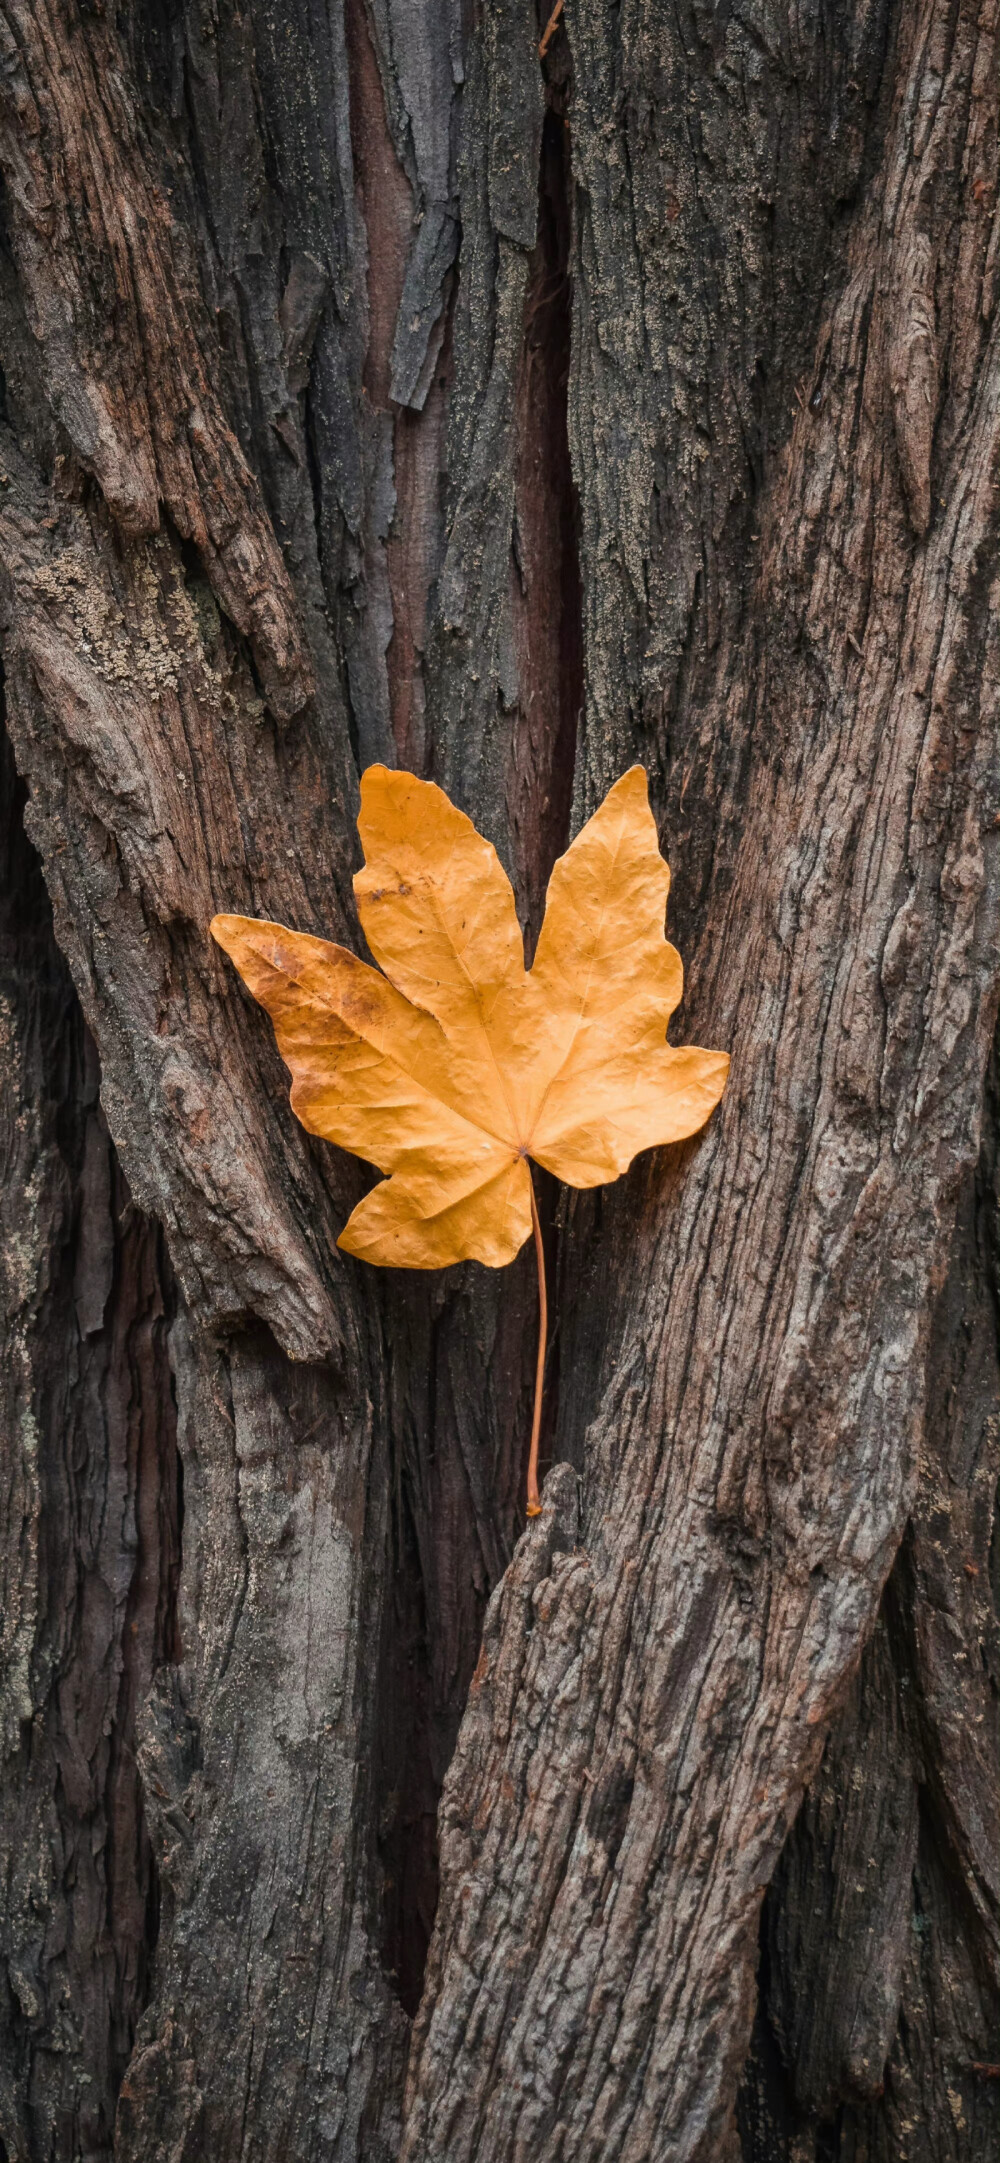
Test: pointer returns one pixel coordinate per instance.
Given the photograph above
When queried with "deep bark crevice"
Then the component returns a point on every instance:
(547, 603)
(419, 1713)
(405, 1775)
(91, 1612)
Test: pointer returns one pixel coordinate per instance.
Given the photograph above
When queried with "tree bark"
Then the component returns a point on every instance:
(379, 388)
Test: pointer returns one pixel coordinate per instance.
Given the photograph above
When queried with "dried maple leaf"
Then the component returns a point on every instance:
(458, 1064)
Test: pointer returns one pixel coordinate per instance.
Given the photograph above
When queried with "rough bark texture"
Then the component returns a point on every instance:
(375, 389)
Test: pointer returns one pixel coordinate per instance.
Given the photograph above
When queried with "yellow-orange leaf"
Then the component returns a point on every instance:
(457, 1065)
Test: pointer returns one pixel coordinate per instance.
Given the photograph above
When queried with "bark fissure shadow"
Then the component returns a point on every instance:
(546, 592)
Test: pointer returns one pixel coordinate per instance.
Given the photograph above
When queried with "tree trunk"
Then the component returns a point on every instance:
(381, 386)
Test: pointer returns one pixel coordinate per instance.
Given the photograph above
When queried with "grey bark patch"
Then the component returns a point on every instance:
(301, 308)
(421, 304)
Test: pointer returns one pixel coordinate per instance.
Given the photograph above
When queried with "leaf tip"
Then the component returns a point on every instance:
(223, 930)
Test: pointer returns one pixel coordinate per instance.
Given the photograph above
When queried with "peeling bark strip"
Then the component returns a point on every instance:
(376, 386)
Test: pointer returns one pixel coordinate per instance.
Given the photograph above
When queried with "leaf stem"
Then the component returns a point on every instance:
(550, 30)
(534, 1499)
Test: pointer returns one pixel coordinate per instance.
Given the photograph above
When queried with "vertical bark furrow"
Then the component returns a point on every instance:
(545, 572)
(90, 1553)
(458, 1377)
(476, 671)
(459, 1350)
(410, 240)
